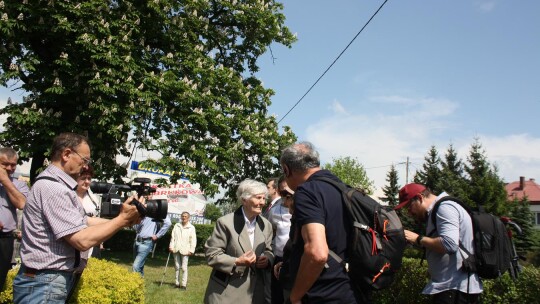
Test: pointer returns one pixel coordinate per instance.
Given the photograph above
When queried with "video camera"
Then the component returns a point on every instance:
(113, 195)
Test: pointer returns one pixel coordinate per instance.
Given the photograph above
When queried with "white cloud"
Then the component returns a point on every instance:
(485, 6)
(338, 108)
(379, 140)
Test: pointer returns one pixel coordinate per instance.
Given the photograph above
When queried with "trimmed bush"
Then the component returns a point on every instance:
(412, 278)
(101, 282)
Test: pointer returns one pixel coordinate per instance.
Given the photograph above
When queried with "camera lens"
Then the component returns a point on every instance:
(157, 209)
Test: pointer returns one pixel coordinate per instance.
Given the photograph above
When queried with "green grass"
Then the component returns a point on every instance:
(154, 271)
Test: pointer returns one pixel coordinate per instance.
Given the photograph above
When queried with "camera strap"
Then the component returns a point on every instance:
(77, 252)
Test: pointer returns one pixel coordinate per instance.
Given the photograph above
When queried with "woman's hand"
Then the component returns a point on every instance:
(246, 259)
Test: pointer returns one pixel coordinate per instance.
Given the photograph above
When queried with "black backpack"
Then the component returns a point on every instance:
(377, 240)
(492, 246)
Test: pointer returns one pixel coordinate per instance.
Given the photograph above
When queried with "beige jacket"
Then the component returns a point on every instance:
(183, 239)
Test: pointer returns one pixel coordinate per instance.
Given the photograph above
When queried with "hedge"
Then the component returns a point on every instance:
(123, 240)
(412, 278)
(101, 282)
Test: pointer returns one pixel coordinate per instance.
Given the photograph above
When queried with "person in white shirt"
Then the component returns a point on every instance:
(183, 243)
(280, 218)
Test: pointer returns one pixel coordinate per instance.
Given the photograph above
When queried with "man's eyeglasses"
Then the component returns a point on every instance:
(285, 194)
(87, 161)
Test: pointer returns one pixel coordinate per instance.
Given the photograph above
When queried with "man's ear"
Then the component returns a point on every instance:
(286, 170)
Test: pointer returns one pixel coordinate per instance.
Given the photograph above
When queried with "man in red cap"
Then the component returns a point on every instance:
(452, 229)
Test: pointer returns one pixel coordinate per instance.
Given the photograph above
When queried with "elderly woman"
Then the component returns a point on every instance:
(239, 250)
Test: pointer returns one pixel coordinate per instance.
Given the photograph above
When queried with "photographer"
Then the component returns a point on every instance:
(55, 228)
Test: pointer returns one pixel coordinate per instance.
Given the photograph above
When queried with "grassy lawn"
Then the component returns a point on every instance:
(154, 268)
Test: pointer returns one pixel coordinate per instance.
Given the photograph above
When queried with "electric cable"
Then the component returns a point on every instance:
(335, 60)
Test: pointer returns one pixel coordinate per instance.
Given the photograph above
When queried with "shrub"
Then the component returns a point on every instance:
(101, 282)
(203, 233)
(412, 278)
(106, 282)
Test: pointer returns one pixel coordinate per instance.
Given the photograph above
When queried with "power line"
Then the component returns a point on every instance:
(335, 60)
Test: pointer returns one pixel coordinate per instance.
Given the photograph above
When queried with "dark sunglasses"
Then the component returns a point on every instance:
(285, 194)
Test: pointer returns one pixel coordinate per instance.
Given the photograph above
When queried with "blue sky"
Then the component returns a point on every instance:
(422, 73)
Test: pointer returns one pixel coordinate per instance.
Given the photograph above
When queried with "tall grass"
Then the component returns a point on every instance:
(154, 272)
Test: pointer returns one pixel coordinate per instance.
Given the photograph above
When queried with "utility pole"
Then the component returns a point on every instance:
(407, 171)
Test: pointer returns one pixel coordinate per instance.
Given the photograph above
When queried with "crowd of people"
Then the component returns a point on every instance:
(274, 248)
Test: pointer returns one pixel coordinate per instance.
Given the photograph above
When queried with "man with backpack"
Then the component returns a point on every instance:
(448, 239)
(319, 227)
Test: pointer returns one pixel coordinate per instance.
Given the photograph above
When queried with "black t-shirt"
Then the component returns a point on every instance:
(320, 202)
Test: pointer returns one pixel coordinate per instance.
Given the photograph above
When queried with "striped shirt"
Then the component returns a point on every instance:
(52, 211)
(8, 212)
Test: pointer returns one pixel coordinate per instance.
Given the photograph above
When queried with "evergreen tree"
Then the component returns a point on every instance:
(351, 172)
(430, 173)
(485, 187)
(452, 180)
(391, 191)
(521, 214)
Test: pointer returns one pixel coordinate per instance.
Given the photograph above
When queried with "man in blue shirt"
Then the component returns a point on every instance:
(148, 232)
(448, 282)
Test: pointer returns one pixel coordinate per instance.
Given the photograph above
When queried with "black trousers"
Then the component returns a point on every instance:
(6, 253)
(277, 289)
(455, 297)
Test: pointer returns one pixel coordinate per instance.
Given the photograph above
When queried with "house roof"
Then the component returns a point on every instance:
(529, 188)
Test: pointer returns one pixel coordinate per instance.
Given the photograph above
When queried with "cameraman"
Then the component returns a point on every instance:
(55, 228)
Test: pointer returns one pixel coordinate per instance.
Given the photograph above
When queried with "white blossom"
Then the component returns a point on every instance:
(96, 76)
(141, 86)
(4, 17)
(20, 17)
(169, 55)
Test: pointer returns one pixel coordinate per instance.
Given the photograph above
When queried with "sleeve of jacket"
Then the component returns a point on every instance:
(215, 250)
(268, 234)
(173, 238)
(192, 240)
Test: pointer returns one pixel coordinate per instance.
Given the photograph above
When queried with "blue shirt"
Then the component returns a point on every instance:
(453, 225)
(147, 228)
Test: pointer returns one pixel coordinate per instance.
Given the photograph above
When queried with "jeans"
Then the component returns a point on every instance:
(141, 249)
(47, 286)
(181, 261)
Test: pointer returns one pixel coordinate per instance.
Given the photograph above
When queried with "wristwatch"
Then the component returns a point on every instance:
(419, 239)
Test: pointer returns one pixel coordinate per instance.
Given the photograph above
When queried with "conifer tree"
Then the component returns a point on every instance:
(430, 173)
(521, 214)
(485, 187)
(452, 180)
(391, 190)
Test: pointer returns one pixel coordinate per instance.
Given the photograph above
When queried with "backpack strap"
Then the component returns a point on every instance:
(342, 187)
(436, 208)
(77, 252)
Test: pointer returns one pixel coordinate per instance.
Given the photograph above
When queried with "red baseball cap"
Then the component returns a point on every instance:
(407, 193)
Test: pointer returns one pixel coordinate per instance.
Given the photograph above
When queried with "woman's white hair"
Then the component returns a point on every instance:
(248, 188)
